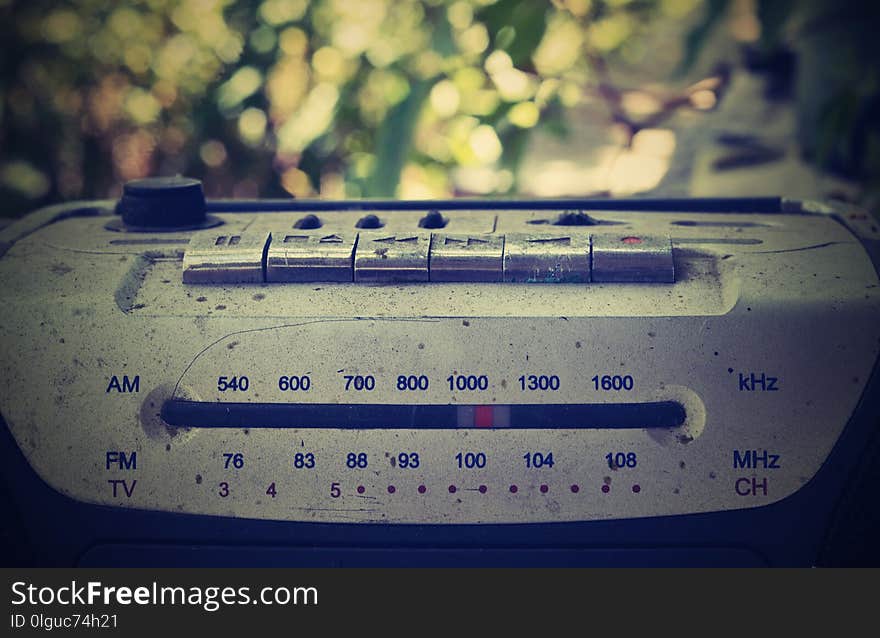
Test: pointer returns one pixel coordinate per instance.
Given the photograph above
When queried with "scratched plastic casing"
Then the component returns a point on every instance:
(766, 338)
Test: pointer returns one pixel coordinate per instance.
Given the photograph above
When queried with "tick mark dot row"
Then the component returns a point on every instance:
(513, 489)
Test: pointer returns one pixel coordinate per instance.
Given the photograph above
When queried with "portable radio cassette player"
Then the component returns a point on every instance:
(555, 382)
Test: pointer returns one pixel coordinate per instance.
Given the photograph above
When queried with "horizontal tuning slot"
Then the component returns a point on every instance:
(358, 416)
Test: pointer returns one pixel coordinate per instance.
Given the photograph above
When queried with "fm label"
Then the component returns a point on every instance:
(758, 382)
(119, 460)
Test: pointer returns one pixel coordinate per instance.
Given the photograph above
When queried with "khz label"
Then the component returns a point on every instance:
(751, 382)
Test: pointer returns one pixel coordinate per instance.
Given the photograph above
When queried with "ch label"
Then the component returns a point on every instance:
(758, 382)
(125, 385)
(752, 486)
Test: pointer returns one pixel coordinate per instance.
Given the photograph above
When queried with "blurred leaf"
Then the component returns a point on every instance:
(394, 141)
(442, 40)
(526, 19)
(515, 145)
(836, 125)
(697, 38)
(773, 16)
(554, 121)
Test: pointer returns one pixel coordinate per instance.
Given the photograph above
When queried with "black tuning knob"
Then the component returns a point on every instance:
(162, 204)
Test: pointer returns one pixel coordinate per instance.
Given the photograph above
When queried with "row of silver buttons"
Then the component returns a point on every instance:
(377, 257)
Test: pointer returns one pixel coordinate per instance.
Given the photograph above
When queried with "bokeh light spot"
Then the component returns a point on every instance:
(485, 144)
(296, 182)
(524, 115)
(252, 126)
(445, 99)
(275, 12)
(141, 106)
(62, 25)
(23, 178)
(213, 153)
(243, 83)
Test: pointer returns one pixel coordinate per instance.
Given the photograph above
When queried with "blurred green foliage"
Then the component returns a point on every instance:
(332, 97)
(830, 48)
(358, 98)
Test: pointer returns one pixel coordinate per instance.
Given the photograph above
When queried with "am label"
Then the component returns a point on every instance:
(125, 385)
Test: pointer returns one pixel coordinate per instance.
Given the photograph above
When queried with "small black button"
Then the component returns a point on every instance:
(433, 220)
(309, 222)
(369, 222)
(574, 218)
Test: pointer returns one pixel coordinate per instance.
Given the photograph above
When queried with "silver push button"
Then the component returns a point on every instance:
(547, 258)
(632, 258)
(301, 257)
(214, 258)
(387, 257)
(467, 257)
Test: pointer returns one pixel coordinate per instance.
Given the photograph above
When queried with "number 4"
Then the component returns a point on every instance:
(271, 491)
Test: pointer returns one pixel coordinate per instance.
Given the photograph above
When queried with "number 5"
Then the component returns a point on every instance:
(335, 492)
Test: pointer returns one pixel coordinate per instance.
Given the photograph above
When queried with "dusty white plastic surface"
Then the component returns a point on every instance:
(86, 311)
